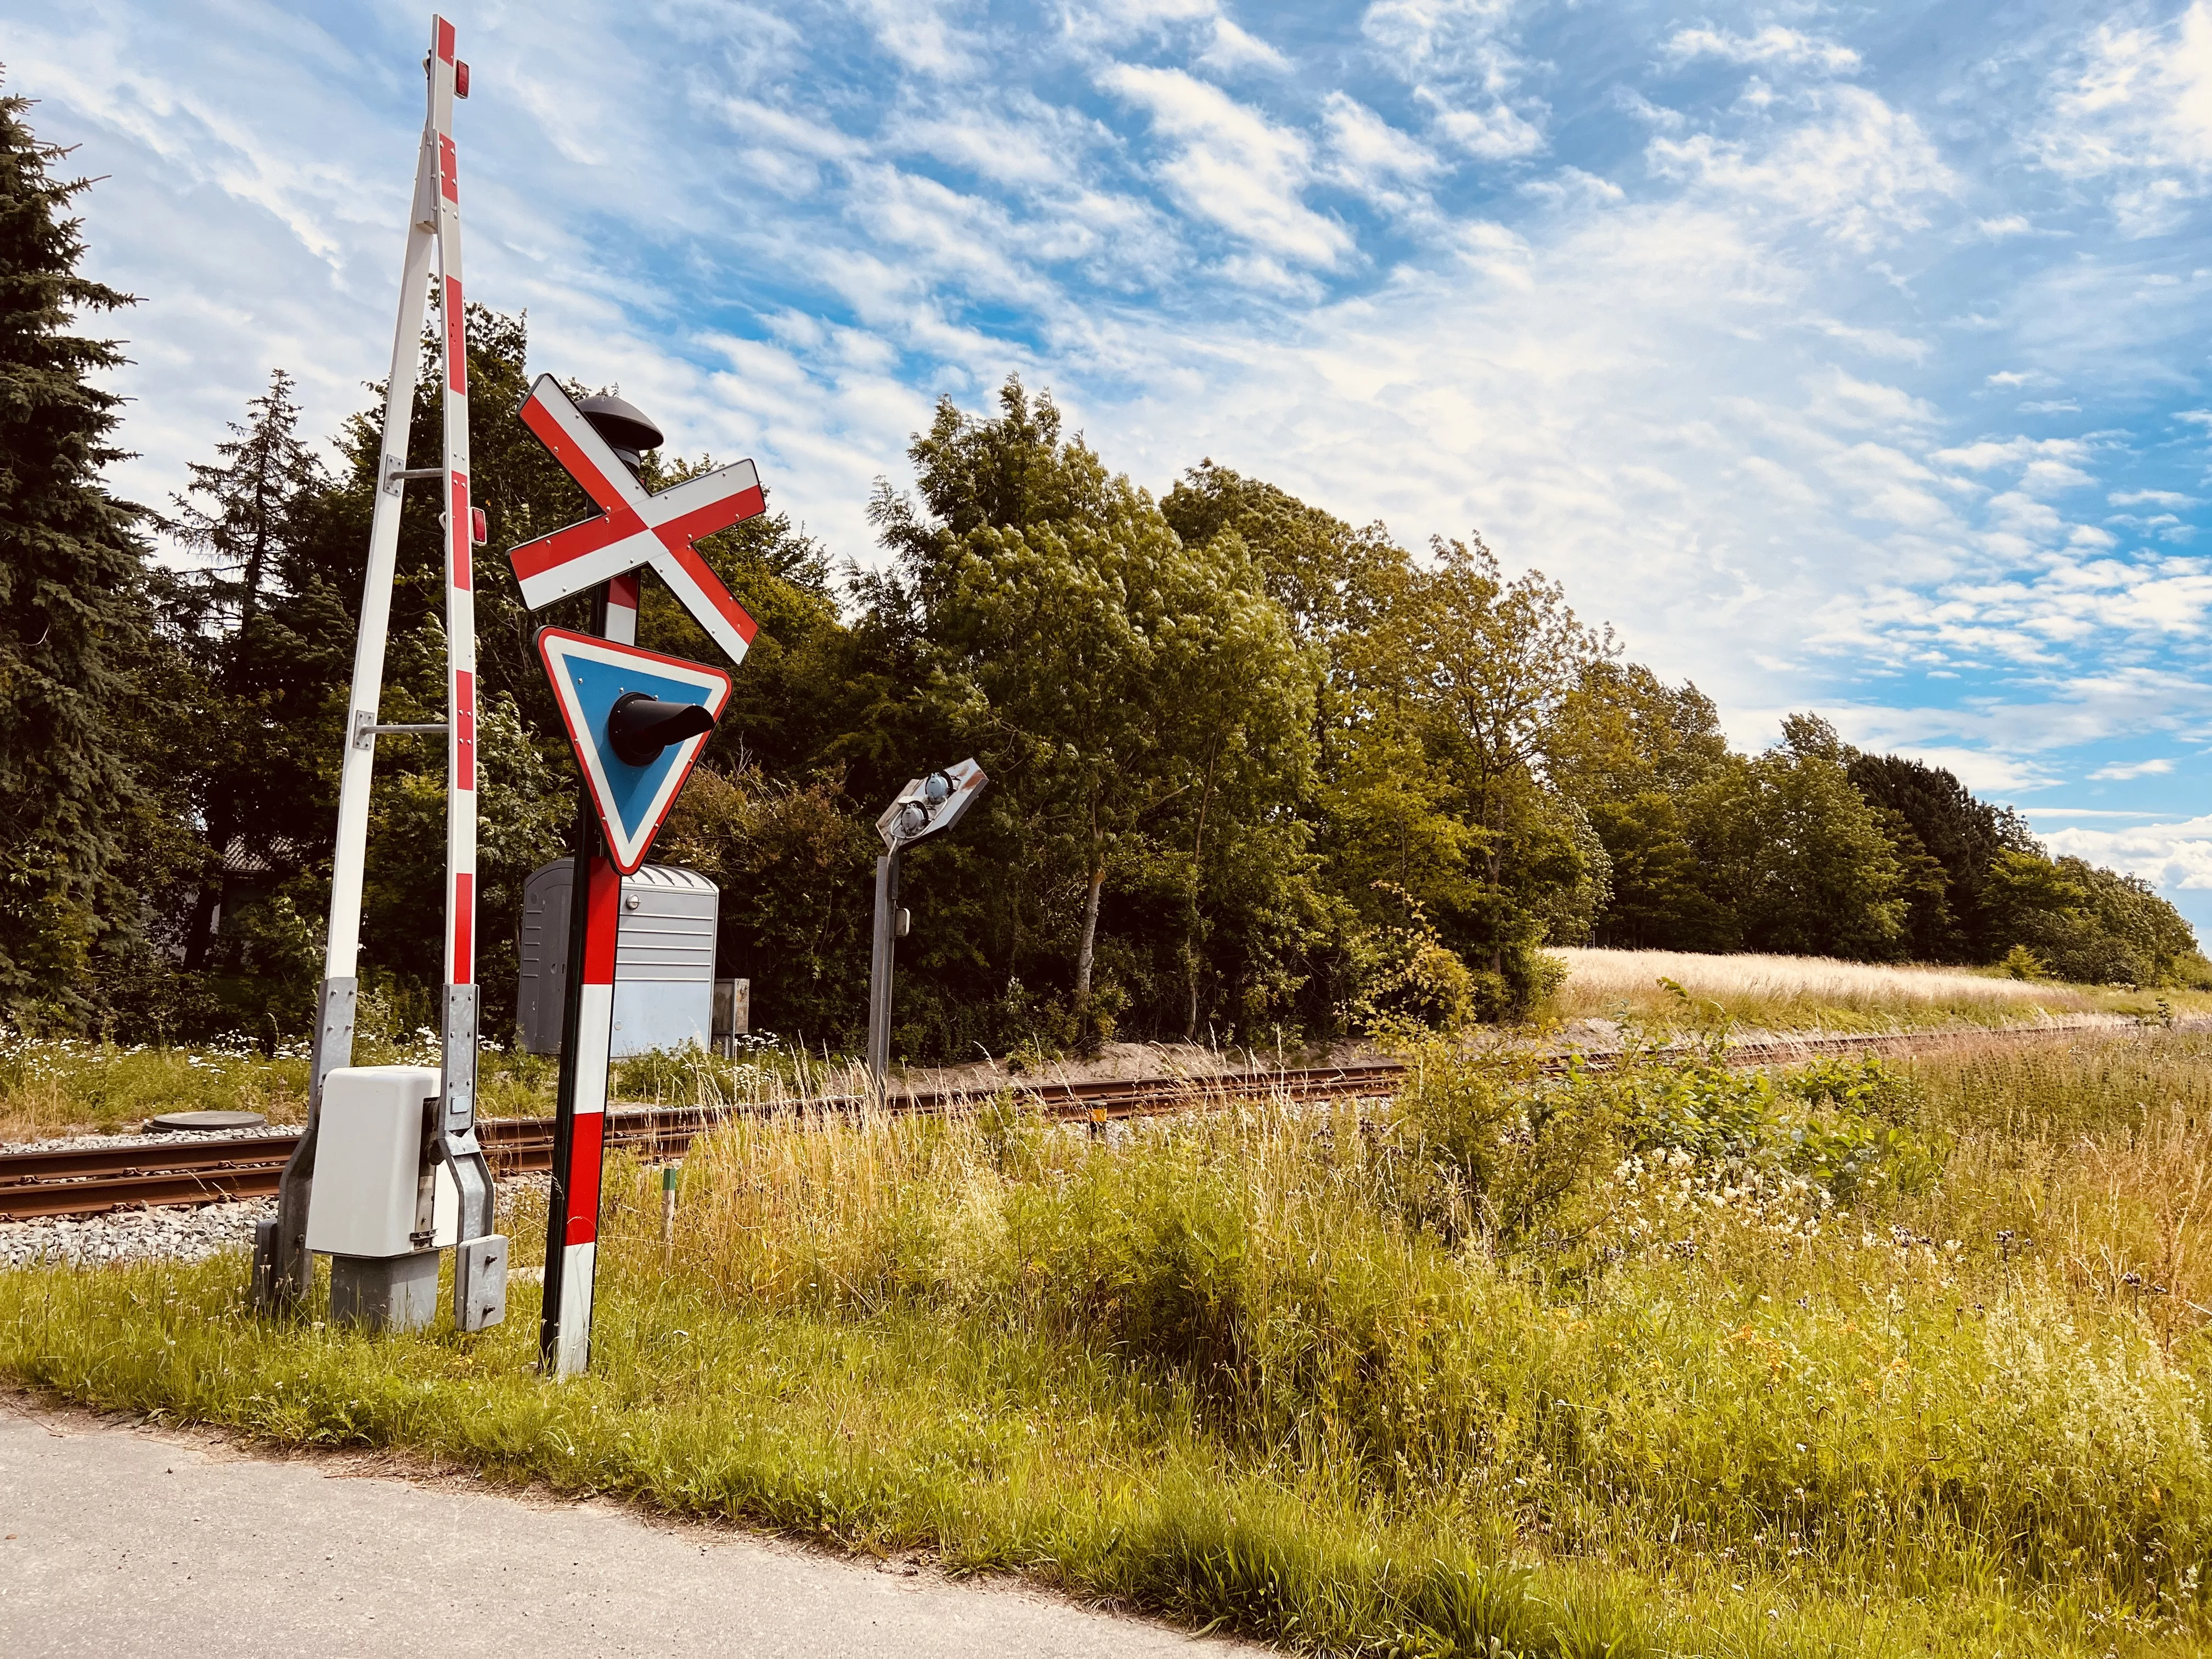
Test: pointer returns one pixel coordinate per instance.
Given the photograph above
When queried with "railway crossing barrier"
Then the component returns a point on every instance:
(443, 1139)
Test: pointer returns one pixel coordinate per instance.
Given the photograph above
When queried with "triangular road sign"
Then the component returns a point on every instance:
(589, 675)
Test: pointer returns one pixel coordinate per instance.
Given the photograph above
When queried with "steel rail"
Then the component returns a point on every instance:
(70, 1181)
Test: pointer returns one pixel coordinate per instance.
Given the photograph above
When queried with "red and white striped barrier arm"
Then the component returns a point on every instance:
(460, 1024)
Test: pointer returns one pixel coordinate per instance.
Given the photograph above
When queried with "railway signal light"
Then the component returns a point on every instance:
(927, 807)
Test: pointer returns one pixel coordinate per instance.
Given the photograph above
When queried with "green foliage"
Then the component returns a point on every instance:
(2085, 924)
(76, 650)
(795, 864)
(1234, 743)
(1816, 874)
(1144, 712)
(1939, 819)
(1408, 983)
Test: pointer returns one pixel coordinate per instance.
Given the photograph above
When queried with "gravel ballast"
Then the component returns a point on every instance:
(180, 1232)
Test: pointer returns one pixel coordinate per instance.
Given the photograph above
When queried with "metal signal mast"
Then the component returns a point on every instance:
(283, 1273)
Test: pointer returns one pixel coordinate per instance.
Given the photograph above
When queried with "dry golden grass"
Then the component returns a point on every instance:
(1802, 992)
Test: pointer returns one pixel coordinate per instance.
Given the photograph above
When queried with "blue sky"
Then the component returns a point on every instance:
(1850, 359)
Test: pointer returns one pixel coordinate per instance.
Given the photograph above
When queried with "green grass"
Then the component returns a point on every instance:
(57, 1085)
(1854, 1360)
(66, 1085)
(62, 1085)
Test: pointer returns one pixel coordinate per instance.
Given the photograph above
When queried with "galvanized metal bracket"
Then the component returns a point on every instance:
(366, 728)
(480, 1283)
(457, 1127)
(282, 1269)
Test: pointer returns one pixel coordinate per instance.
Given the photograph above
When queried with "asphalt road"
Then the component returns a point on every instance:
(122, 1541)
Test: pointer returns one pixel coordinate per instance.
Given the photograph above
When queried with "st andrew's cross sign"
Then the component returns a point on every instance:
(634, 529)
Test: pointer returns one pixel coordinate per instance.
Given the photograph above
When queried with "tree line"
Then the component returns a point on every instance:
(1255, 771)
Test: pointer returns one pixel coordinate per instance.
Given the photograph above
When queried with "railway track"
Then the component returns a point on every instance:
(93, 1180)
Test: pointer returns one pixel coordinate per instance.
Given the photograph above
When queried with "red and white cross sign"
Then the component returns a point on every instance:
(634, 529)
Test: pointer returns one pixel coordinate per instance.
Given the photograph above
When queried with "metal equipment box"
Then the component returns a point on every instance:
(664, 960)
(371, 1165)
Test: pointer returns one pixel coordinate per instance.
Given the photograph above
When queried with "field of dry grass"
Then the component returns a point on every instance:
(1776, 993)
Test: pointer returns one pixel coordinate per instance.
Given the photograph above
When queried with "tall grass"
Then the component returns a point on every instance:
(1809, 993)
(1851, 1358)
(66, 1085)
(54, 1085)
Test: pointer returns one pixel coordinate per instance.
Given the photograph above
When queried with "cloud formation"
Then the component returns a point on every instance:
(1834, 381)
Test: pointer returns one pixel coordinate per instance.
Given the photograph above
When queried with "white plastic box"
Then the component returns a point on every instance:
(369, 1165)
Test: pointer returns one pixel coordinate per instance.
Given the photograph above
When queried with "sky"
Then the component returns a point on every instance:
(1843, 358)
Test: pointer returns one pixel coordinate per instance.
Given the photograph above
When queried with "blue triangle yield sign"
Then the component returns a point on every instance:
(589, 677)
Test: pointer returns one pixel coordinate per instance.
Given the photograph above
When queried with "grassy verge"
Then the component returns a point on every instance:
(52, 1086)
(1855, 1359)
(1666, 988)
(62, 1085)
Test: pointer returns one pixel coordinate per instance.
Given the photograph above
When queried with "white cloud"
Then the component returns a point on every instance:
(2121, 773)
(1233, 49)
(2177, 855)
(1365, 151)
(1771, 45)
(1572, 188)
(2154, 498)
(1456, 56)
(919, 35)
(2012, 224)
(2046, 464)
(1233, 166)
(2135, 107)
(1866, 172)
(1456, 39)
(1494, 133)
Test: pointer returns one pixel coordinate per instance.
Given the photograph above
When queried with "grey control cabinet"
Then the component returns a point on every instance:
(664, 960)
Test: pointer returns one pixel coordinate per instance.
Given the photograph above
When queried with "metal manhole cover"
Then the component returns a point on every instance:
(206, 1122)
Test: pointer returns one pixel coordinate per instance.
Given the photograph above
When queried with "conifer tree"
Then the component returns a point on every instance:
(73, 617)
(251, 517)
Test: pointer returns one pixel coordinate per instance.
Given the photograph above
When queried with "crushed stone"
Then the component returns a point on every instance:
(179, 1232)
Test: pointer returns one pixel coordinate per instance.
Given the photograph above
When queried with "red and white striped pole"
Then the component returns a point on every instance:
(572, 1233)
(599, 441)
(623, 594)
